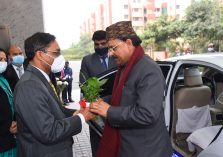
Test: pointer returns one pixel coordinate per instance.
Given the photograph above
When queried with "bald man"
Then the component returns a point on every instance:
(15, 68)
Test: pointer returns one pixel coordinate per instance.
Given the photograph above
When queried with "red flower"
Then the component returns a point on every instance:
(83, 104)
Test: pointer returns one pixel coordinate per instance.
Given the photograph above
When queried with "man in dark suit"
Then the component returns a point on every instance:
(67, 76)
(98, 62)
(45, 128)
(15, 69)
(95, 64)
(135, 124)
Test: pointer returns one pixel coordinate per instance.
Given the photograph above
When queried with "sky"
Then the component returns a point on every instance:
(63, 18)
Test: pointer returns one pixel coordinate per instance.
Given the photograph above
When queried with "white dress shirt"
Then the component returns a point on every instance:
(48, 79)
(17, 71)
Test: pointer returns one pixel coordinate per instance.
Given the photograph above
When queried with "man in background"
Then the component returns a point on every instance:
(211, 47)
(92, 65)
(99, 61)
(15, 68)
(67, 76)
(177, 52)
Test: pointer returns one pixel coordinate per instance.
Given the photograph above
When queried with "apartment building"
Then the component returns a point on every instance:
(140, 12)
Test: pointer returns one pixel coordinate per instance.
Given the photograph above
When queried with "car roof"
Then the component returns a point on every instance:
(214, 58)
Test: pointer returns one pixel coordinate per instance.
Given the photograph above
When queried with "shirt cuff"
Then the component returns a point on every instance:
(82, 118)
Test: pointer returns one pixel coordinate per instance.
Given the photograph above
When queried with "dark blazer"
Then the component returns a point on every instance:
(140, 116)
(91, 66)
(44, 128)
(7, 140)
(11, 76)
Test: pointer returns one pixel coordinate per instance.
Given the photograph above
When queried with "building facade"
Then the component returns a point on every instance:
(140, 12)
(22, 18)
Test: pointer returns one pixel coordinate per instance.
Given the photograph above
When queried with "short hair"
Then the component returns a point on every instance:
(38, 41)
(99, 35)
(2, 50)
(136, 41)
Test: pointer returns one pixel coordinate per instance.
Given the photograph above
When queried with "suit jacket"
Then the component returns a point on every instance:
(44, 128)
(140, 116)
(7, 140)
(11, 76)
(91, 66)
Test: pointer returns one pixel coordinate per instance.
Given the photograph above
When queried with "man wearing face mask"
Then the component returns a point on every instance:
(15, 69)
(45, 128)
(93, 65)
(98, 62)
(211, 48)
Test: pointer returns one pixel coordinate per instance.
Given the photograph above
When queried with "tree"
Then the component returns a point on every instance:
(79, 50)
(162, 34)
(203, 23)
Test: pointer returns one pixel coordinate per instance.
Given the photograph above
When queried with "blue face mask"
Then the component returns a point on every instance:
(3, 66)
(18, 60)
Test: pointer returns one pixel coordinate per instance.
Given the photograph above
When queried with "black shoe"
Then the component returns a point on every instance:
(66, 101)
(70, 100)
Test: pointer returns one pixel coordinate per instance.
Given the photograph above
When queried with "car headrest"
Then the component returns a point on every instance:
(192, 77)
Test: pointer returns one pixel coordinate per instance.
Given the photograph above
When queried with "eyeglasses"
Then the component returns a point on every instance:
(55, 53)
(113, 49)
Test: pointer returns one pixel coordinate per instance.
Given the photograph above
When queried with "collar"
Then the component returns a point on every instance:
(104, 56)
(44, 74)
(15, 67)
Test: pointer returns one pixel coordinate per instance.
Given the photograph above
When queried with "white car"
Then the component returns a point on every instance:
(193, 107)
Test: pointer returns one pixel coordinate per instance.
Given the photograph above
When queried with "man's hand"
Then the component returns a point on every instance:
(13, 127)
(99, 107)
(87, 114)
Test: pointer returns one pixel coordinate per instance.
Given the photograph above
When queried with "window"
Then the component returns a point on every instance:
(177, 6)
(126, 16)
(145, 11)
(136, 18)
(125, 6)
(135, 9)
(164, 10)
(157, 9)
(166, 70)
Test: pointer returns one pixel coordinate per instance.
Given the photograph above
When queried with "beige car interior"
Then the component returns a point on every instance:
(192, 94)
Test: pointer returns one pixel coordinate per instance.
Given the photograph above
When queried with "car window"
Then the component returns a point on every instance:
(165, 69)
(108, 86)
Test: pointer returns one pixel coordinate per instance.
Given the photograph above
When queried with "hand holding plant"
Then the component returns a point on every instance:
(91, 89)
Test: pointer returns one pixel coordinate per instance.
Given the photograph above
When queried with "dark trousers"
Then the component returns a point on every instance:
(67, 92)
(94, 139)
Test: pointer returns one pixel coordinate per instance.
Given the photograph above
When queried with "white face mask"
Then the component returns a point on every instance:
(58, 63)
(210, 49)
(3, 66)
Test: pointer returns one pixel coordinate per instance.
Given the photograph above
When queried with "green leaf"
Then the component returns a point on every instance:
(91, 88)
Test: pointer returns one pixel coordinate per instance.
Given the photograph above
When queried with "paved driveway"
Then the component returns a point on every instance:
(81, 146)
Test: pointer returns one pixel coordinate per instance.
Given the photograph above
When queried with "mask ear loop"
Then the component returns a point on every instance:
(46, 61)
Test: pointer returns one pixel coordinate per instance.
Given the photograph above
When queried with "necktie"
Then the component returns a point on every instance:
(53, 88)
(104, 61)
(19, 69)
